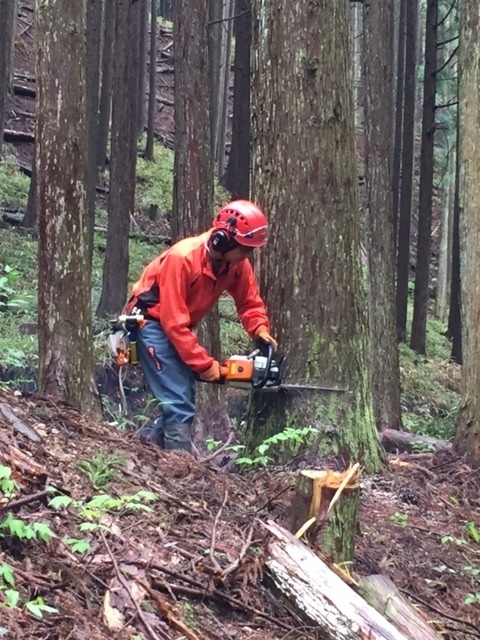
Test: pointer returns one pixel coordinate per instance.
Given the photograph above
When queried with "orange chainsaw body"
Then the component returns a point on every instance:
(237, 369)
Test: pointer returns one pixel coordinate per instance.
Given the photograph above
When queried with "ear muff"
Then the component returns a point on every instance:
(222, 241)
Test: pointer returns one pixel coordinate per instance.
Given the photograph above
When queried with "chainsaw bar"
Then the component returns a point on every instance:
(292, 388)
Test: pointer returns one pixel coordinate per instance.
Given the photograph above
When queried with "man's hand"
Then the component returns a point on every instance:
(212, 373)
(262, 334)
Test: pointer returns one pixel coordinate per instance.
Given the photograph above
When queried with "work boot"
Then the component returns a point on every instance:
(178, 436)
(153, 434)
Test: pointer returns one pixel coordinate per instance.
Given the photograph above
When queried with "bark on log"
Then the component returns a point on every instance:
(383, 595)
(394, 440)
(332, 499)
(321, 596)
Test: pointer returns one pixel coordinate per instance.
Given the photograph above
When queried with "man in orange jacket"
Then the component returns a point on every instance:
(175, 291)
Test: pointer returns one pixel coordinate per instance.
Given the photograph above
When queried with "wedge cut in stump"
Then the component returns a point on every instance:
(383, 595)
(324, 509)
(320, 596)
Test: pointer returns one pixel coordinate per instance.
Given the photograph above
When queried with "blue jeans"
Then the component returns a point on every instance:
(171, 382)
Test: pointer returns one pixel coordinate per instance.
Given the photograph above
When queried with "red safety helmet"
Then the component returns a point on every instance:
(244, 221)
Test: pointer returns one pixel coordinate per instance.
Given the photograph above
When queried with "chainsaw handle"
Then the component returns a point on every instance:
(270, 350)
(223, 372)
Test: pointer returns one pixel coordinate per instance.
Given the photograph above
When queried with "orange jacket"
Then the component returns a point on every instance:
(178, 288)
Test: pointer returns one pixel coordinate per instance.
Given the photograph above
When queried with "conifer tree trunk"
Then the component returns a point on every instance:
(142, 66)
(193, 175)
(152, 99)
(403, 261)
(424, 242)
(237, 175)
(399, 98)
(467, 435)
(378, 113)
(106, 83)
(7, 15)
(93, 39)
(305, 176)
(64, 308)
(454, 331)
(193, 179)
(123, 161)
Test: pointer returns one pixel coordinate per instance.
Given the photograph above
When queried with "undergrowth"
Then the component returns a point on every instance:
(430, 385)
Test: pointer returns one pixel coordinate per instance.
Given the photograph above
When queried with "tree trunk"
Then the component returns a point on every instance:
(7, 15)
(123, 160)
(418, 338)
(382, 594)
(305, 177)
(193, 176)
(30, 218)
(403, 261)
(454, 331)
(444, 276)
(237, 174)
(399, 100)
(106, 84)
(378, 111)
(93, 39)
(152, 99)
(224, 95)
(467, 434)
(64, 307)
(141, 88)
(320, 596)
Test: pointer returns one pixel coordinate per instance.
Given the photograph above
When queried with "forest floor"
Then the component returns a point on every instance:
(173, 562)
(184, 558)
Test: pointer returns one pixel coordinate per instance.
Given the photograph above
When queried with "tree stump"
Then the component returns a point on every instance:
(326, 505)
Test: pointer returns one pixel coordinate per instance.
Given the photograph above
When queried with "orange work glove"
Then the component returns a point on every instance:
(212, 373)
(261, 333)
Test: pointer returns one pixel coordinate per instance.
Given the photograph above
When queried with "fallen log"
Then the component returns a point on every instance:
(12, 457)
(384, 596)
(20, 90)
(18, 424)
(9, 135)
(393, 440)
(326, 502)
(320, 595)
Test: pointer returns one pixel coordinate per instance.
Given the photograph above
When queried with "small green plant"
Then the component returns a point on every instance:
(287, 441)
(472, 531)
(38, 607)
(400, 518)
(7, 485)
(211, 444)
(472, 598)
(9, 298)
(17, 528)
(423, 447)
(451, 539)
(100, 470)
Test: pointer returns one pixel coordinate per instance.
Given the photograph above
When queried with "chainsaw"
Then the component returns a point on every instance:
(258, 370)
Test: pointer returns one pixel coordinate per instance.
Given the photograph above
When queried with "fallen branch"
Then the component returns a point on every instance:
(242, 554)
(126, 586)
(166, 609)
(216, 566)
